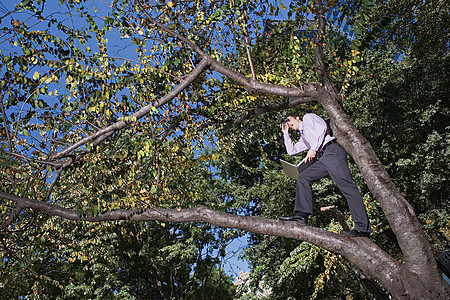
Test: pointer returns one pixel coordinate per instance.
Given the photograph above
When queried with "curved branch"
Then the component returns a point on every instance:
(381, 266)
(99, 136)
(255, 86)
(267, 108)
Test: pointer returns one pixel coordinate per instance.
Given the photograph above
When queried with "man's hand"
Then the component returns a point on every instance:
(311, 154)
(285, 128)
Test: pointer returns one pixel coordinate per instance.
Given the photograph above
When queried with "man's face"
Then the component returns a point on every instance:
(293, 122)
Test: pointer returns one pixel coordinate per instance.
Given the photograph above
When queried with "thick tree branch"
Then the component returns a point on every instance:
(265, 109)
(356, 250)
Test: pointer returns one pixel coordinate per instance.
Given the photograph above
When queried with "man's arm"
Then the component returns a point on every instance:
(291, 148)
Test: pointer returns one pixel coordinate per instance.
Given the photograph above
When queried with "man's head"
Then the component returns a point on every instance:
(293, 122)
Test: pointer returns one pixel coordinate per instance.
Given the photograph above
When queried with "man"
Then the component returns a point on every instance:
(332, 160)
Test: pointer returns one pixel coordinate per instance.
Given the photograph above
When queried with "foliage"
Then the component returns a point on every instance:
(402, 108)
(119, 260)
(417, 28)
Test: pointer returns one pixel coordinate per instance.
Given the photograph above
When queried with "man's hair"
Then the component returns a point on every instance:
(290, 114)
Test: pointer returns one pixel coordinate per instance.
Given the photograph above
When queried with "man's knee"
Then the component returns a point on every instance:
(304, 178)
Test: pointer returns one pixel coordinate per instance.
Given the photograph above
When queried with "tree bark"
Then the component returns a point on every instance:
(416, 249)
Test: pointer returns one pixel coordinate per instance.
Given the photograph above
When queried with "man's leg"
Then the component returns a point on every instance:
(303, 195)
(339, 172)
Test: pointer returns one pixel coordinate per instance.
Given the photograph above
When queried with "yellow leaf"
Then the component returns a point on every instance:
(154, 109)
(170, 4)
(36, 75)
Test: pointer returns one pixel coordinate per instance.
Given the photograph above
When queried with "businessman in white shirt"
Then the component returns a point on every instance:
(330, 159)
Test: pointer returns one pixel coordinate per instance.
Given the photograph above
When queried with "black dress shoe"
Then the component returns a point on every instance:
(356, 233)
(300, 219)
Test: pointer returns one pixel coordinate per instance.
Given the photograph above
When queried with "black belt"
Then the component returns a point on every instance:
(326, 145)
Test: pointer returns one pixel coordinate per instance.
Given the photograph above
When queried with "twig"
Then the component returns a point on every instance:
(249, 56)
(6, 123)
(338, 214)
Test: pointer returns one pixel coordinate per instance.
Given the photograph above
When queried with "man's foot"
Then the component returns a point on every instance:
(356, 233)
(295, 217)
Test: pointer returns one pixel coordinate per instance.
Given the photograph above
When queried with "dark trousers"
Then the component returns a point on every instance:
(334, 163)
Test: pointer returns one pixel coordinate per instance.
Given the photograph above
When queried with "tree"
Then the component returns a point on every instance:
(172, 91)
(398, 115)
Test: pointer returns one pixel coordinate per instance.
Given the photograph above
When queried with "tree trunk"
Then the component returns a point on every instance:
(418, 255)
